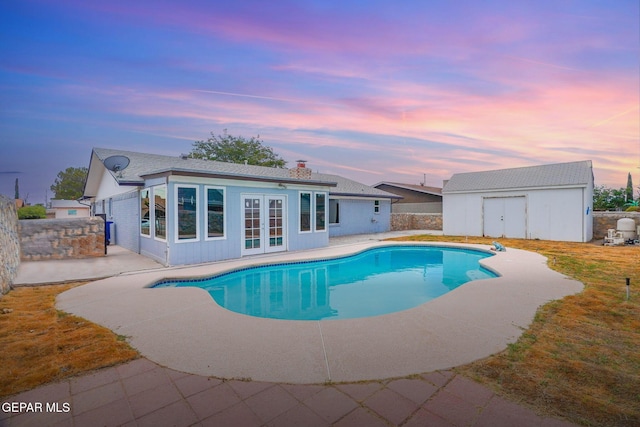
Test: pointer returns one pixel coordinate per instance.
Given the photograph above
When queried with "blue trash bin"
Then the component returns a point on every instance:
(107, 232)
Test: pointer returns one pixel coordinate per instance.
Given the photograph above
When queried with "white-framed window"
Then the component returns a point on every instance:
(215, 220)
(376, 206)
(160, 212)
(145, 212)
(321, 211)
(305, 211)
(187, 213)
(313, 211)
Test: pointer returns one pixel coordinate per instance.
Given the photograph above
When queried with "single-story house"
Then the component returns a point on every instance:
(415, 198)
(550, 202)
(69, 209)
(178, 210)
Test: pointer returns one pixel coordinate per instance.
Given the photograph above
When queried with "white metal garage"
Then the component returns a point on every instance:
(550, 202)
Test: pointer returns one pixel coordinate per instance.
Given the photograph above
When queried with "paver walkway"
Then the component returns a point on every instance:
(142, 393)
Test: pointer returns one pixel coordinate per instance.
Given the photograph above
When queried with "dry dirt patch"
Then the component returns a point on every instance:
(41, 344)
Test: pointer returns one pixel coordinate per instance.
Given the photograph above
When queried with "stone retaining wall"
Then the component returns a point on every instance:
(416, 221)
(9, 244)
(46, 239)
(602, 221)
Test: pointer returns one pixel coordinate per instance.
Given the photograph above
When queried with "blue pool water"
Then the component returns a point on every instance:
(378, 281)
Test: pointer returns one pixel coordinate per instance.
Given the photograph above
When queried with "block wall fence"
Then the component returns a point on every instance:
(48, 239)
(416, 221)
(9, 244)
(602, 221)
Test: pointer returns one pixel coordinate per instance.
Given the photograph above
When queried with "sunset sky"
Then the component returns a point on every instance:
(370, 90)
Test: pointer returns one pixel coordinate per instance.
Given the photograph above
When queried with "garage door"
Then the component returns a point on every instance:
(505, 217)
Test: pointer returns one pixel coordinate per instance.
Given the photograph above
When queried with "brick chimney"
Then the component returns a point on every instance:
(300, 171)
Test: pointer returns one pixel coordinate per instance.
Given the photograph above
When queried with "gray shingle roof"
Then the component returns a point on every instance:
(144, 164)
(554, 175)
(414, 187)
(348, 187)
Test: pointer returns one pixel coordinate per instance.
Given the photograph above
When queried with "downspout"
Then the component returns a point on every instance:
(584, 213)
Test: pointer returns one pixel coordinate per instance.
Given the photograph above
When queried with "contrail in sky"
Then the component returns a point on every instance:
(614, 117)
(546, 64)
(270, 98)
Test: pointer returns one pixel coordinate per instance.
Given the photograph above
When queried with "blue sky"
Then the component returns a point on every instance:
(374, 91)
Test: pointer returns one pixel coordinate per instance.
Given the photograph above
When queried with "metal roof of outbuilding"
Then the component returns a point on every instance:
(553, 175)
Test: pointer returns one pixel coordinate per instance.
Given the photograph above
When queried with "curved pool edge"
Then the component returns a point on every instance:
(256, 262)
(180, 329)
(353, 308)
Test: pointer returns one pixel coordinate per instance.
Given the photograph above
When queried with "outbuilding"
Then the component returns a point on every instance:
(549, 202)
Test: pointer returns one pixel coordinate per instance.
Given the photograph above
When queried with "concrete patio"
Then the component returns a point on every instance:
(186, 330)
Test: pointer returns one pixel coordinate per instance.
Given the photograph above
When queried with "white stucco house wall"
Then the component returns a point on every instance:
(550, 202)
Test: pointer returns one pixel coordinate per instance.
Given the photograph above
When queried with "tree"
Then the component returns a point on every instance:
(69, 184)
(629, 190)
(605, 198)
(32, 212)
(236, 149)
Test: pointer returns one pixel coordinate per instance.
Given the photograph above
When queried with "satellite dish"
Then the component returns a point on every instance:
(116, 163)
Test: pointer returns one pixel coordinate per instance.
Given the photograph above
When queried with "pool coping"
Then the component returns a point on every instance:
(184, 329)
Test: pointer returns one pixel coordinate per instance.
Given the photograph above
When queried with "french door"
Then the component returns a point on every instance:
(264, 224)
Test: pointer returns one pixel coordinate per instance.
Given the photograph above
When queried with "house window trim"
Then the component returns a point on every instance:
(166, 208)
(148, 236)
(176, 211)
(376, 207)
(315, 211)
(311, 212)
(206, 212)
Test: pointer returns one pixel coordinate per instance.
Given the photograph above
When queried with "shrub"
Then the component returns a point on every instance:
(32, 212)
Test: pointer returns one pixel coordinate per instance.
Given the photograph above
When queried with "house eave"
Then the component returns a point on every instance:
(203, 174)
(367, 196)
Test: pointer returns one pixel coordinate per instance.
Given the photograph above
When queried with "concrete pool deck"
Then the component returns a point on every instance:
(185, 330)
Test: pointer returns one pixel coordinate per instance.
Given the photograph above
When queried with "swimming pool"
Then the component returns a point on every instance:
(374, 282)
